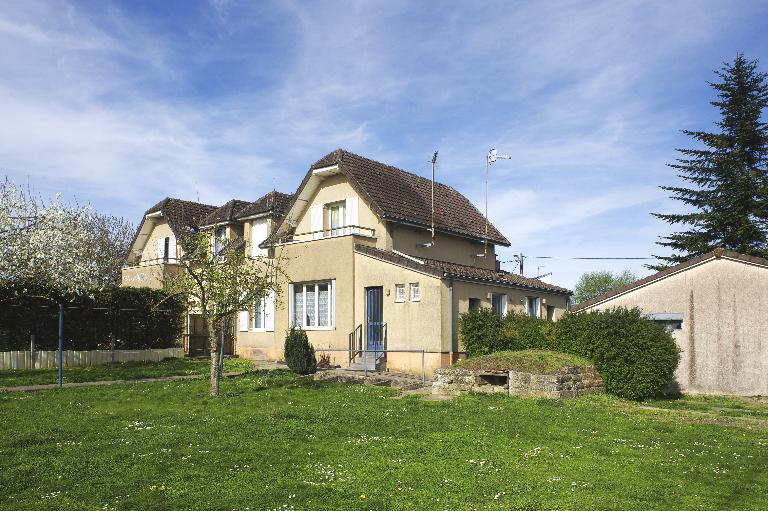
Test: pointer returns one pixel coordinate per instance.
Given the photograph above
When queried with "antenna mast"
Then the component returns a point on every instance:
(491, 157)
(434, 162)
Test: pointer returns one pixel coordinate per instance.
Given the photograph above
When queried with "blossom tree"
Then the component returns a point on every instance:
(56, 246)
(219, 283)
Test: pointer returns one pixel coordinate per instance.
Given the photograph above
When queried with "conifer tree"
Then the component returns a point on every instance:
(728, 197)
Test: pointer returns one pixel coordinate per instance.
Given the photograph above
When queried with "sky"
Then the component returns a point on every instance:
(120, 104)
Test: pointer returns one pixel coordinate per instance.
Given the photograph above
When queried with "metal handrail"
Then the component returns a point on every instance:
(355, 342)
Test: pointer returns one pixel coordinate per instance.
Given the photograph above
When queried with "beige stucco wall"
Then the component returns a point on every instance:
(463, 291)
(407, 239)
(160, 230)
(335, 189)
(150, 272)
(724, 338)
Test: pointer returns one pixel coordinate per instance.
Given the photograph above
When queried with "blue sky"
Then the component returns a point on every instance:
(120, 104)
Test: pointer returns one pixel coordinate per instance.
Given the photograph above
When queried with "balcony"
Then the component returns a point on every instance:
(337, 232)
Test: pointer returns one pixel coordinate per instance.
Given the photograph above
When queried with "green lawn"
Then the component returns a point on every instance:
(124, 371)
(275, 441)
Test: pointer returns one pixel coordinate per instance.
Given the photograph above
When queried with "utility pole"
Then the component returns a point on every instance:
(520, 258)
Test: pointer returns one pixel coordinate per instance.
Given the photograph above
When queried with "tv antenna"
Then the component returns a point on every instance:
(490, 159)
(432, 228)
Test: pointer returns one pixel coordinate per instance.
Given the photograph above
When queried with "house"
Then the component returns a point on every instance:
(716, 306)
(365, 270)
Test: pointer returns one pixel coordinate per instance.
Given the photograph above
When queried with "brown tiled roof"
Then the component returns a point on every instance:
(181, 215)
(461, 271)
(276, 203)
(400, 196)
(718, 253)
(225, 213)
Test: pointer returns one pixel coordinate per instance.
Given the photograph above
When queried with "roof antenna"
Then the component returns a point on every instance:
(490, 158)
(432, 229)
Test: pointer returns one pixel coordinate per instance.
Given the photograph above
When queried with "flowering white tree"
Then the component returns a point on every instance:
(53, 245)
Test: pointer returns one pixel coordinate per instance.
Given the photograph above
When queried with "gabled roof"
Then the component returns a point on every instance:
(181, 215)
(275, 203)
(718, 253)
(224, 214)
(460, 271)
(399, 196)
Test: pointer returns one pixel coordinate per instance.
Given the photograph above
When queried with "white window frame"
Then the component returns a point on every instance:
(331, 304)
(341, 208)
(215, 248)
(503, 299)
(400, 296)
(259, 306)
(536, 302)
(414, 286)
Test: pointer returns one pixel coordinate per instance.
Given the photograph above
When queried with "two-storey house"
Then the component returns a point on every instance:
(367, 271)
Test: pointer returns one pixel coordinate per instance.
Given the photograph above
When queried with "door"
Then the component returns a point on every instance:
(374, 318)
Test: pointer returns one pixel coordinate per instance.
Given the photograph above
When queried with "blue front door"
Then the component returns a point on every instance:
(374, 318)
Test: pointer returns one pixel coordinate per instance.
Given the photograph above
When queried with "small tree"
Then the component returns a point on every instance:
(299, 354)
(219, 285)
(596, 283)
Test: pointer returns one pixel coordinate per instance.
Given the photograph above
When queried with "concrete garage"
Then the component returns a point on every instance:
(717, 308)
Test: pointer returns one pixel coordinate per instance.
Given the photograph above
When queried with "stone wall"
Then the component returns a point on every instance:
(569, 381)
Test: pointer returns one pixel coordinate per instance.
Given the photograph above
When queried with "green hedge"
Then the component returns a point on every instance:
(138, 318)
(635, 357)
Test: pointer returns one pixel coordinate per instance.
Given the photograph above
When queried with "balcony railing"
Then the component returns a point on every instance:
(335, 232)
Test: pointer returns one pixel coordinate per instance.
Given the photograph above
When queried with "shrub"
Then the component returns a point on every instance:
(299, 354)
(635, 357)
(481, 332)
(522, 332)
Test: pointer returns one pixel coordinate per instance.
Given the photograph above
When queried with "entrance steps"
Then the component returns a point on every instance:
(367, 362)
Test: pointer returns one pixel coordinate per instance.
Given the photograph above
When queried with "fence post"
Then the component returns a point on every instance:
(32, 349)
(423, 371)
(112, 345)
(61, 343)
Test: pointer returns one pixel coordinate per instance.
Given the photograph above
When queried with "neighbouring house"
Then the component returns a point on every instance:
(716, 306)
(365, 270)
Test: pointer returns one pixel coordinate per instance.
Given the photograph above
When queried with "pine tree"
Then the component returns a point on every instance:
(729, 197)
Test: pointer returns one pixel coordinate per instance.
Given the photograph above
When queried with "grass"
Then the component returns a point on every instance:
(120, 371)
(277, 441)
(720, 405)
(534, 361)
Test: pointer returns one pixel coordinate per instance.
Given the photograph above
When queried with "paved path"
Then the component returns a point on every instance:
(27, 388)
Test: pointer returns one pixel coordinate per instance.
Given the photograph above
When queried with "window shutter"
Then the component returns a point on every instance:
(160, 248)
(269, 312)
(353, 218)
(172, 248)
(243, 321)
(258, 235)
(316, 217)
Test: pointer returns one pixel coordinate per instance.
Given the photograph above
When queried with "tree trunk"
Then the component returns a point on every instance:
(215, 343)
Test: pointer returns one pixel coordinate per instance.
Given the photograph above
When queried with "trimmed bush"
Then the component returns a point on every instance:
(299, 354)
(635, 357)
(481, 332)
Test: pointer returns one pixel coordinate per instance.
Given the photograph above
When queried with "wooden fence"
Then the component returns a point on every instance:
(72, 358)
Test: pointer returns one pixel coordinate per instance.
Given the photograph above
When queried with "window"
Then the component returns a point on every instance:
(166, 249)
(399, 293)
(415, 292)
(533, 306)
(474, 304)
(499, 304)
(313, 305)
(550, 312)
(258, 235)
(336, 219)
(219, 239)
